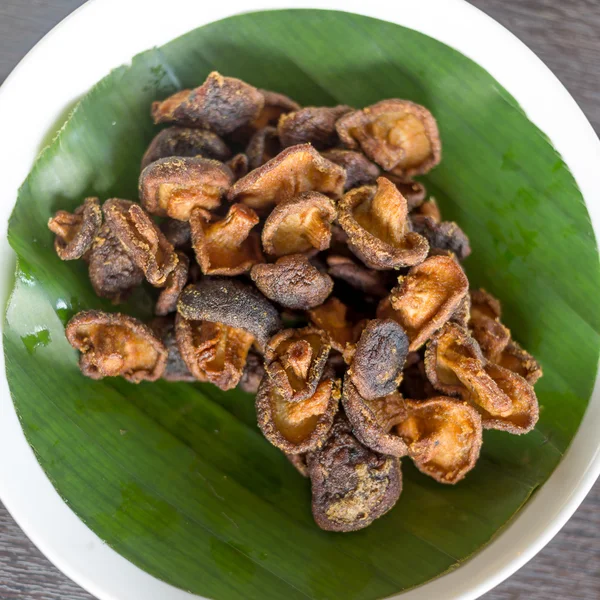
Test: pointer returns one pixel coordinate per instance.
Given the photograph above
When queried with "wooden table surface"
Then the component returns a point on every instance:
(566, 36)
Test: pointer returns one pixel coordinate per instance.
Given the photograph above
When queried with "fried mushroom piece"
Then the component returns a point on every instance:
(311, 125)
(485, 325)
(295, 361)
(413, 191)
(236, 304)
(183, 141)
(142, 239)
(113, 273)
(295, 170)
(227, 246)
(442, 236)
(167, 299)
(377, 364)
(112, 344)
(376, 221)
(430, 209)
(427, 297)
(75, 232)
(275, 105)
(519, 361)
(351, 485)
(370, 282)
(293, 282)
(220, 104)
(300, 224)
(359, 169)
(253, 373)
(174, 186)
(263, 146)
(455, 365)
(296, 427)
(239, 166)
(176, 369)
(213, 351)
(398, 135)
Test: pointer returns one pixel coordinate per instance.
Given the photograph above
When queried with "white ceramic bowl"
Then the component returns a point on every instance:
(104, 34)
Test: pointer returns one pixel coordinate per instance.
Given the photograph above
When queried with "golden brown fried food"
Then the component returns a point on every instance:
(414, 191)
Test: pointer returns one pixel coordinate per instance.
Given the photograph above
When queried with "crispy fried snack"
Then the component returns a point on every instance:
(427, 297)
(430, 209)
(142, 239)
(351, 485)
(413, 191)
(311, 125)
(376, 368)
(295, 361)
(253, 373)
(227, 246)
(368, 281)
(173, 187)
(183, 141)
(276, 104)
(263, 146)
(220, 104)
(176, 369)
(112, 344)
(167, 299)
(113, 273)
(239, 166)
(359, 169)
(398, 135)
(300, 224)
(519, 361)
(293, 282)
(444, 236)
(376, 222)
(295, 170)
(75, 232)
(296, 427)
(455, 365)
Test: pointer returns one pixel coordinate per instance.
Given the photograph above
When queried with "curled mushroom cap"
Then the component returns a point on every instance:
(275, 105)
(413, 191)
(113, 344)
(183, 141)
(296, 427)
(376, 221)
(174, 186)
(262, 147)
(312, 124)
(167, 299)
(519, 361)
(427, 297)
(359, 169)
(295, 170)
(295, 360)
(443, 437)
(227, 246)
(176, 369)
(293, 282)
(368, 281)
(445, 236)
(140, 236)
(351, 485)
(377, 365)
(228, 301)
(220, 104)
(454, 364)
(485, 324)
(299, 224)
(398, 135)
(430, 209)
(113, 273)
(75, 232)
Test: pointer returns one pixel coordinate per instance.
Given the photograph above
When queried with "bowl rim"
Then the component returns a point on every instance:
(25, 489)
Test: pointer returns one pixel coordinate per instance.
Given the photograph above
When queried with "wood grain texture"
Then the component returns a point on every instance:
(565, 36)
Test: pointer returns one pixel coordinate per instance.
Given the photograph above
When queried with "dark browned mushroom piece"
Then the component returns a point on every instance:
(377, 364)
(414, 191)
(176, 369)
(263, 146)
(184, 141)
(300, 224)
(173, 187)
(295, 170)
(398, 135)
(220, 104)
(253, 373)
(142, 239)
(295, 360)
(426, 298)
(455, 365)
(293, 282)
(311, 125)
(113, 273)
(75, 232)
(369, 281)
(239, 166)
(442, 236)
(227, 246)
(167, 299)
(112, 344)
(359, 169)
(351, 485)
(376, 222)
(296, 427)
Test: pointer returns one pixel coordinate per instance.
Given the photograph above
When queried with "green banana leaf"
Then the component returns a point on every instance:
(176, 477)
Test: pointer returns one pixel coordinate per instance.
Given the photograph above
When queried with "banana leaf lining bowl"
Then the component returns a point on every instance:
(141, 492)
